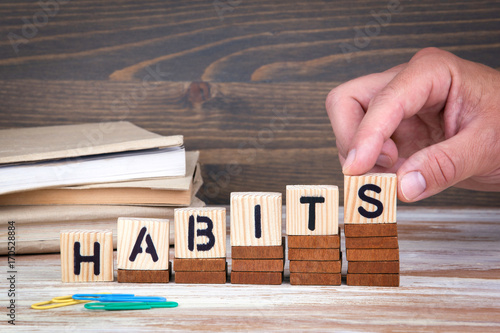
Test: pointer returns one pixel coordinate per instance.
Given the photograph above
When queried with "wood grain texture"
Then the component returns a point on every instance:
(371, 230)
(272, 278)
(258, 252)
(373, 267)
(314, 254)
(220, 77)
(371, 243)
(258, 265)
(373, 280)
(143, 276)
(313, 266)
(203, 245)
(316, 279)
(322, 220)
(201, 277)
(88, 241)
(150, 235)
(449, 282)
(201, 265)
(372, 254)
(314, 242)
(384, 190)
(256, 219)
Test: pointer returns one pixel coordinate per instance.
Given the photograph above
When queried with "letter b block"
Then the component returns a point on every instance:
(86, 256)
(200, 232)
(370, 198)
(256, 219)
(312, 209)
(143, 243)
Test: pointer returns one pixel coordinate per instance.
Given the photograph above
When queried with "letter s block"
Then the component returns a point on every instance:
(256, 219)
(143, 243)
(312, 210)
(86, 256)
(200, 232)
(370, 198)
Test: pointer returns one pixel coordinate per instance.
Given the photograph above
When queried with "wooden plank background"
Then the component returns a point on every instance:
(244, 81)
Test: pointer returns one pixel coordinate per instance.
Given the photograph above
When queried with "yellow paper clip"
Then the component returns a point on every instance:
(58, 302)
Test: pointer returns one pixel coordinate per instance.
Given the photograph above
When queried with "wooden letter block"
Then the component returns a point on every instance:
(312, 209)
(86, 256)
(370, 198)
(315, 279)
(314, 242)
(255, 219)
(200, 232)
(310, 266)
(143, 244)
(371, 243)
(379, 280)
(371, 230)
(372, 254)
(373, 267)
(314, 254)
(253, 265)
(200, 265)
(256, 277)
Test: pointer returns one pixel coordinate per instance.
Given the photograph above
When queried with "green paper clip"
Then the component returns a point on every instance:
(119, 306)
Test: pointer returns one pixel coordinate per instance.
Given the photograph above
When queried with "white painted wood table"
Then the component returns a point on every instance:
(450, 281)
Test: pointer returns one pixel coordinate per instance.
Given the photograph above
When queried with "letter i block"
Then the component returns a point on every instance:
(143, 250)
(200, 232)
(256, 219)
(312, 210)
(370, 198)
(86, 256)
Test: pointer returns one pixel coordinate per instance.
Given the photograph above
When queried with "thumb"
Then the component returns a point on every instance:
(437, 167)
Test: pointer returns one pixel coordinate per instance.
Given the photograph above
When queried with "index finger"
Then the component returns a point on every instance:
(424, 83)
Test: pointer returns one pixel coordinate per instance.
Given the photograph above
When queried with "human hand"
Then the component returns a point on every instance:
(435, 121)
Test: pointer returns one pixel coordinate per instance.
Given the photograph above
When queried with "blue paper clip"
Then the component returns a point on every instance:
(117, 298)
(129, 306)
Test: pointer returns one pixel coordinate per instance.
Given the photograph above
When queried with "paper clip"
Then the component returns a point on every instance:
(118, 298)
(58, 302)
(130, 306)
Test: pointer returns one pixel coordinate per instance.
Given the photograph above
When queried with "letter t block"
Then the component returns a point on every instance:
(312, 210)
(86, 256)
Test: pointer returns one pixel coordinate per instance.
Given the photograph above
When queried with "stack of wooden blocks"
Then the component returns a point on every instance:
(200, 245)
(313, 234)
(257, 247)
(370, 229)
(150, 264)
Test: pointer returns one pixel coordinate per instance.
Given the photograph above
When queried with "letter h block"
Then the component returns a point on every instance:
(200, 245)
(143, 250)
(86, 256)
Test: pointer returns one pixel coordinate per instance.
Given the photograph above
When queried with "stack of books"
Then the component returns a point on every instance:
(86, 176)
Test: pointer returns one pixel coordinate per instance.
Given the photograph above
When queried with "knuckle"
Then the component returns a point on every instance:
(332, 99)
(442, 167)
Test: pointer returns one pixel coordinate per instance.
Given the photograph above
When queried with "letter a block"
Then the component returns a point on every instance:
(256, 219)
(200, 232)
(143, 250)
(370, 198)
(86, 256)
(312, 209)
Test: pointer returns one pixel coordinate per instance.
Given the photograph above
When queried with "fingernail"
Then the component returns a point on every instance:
(412, 185)
(384, 161)
(349, 160)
